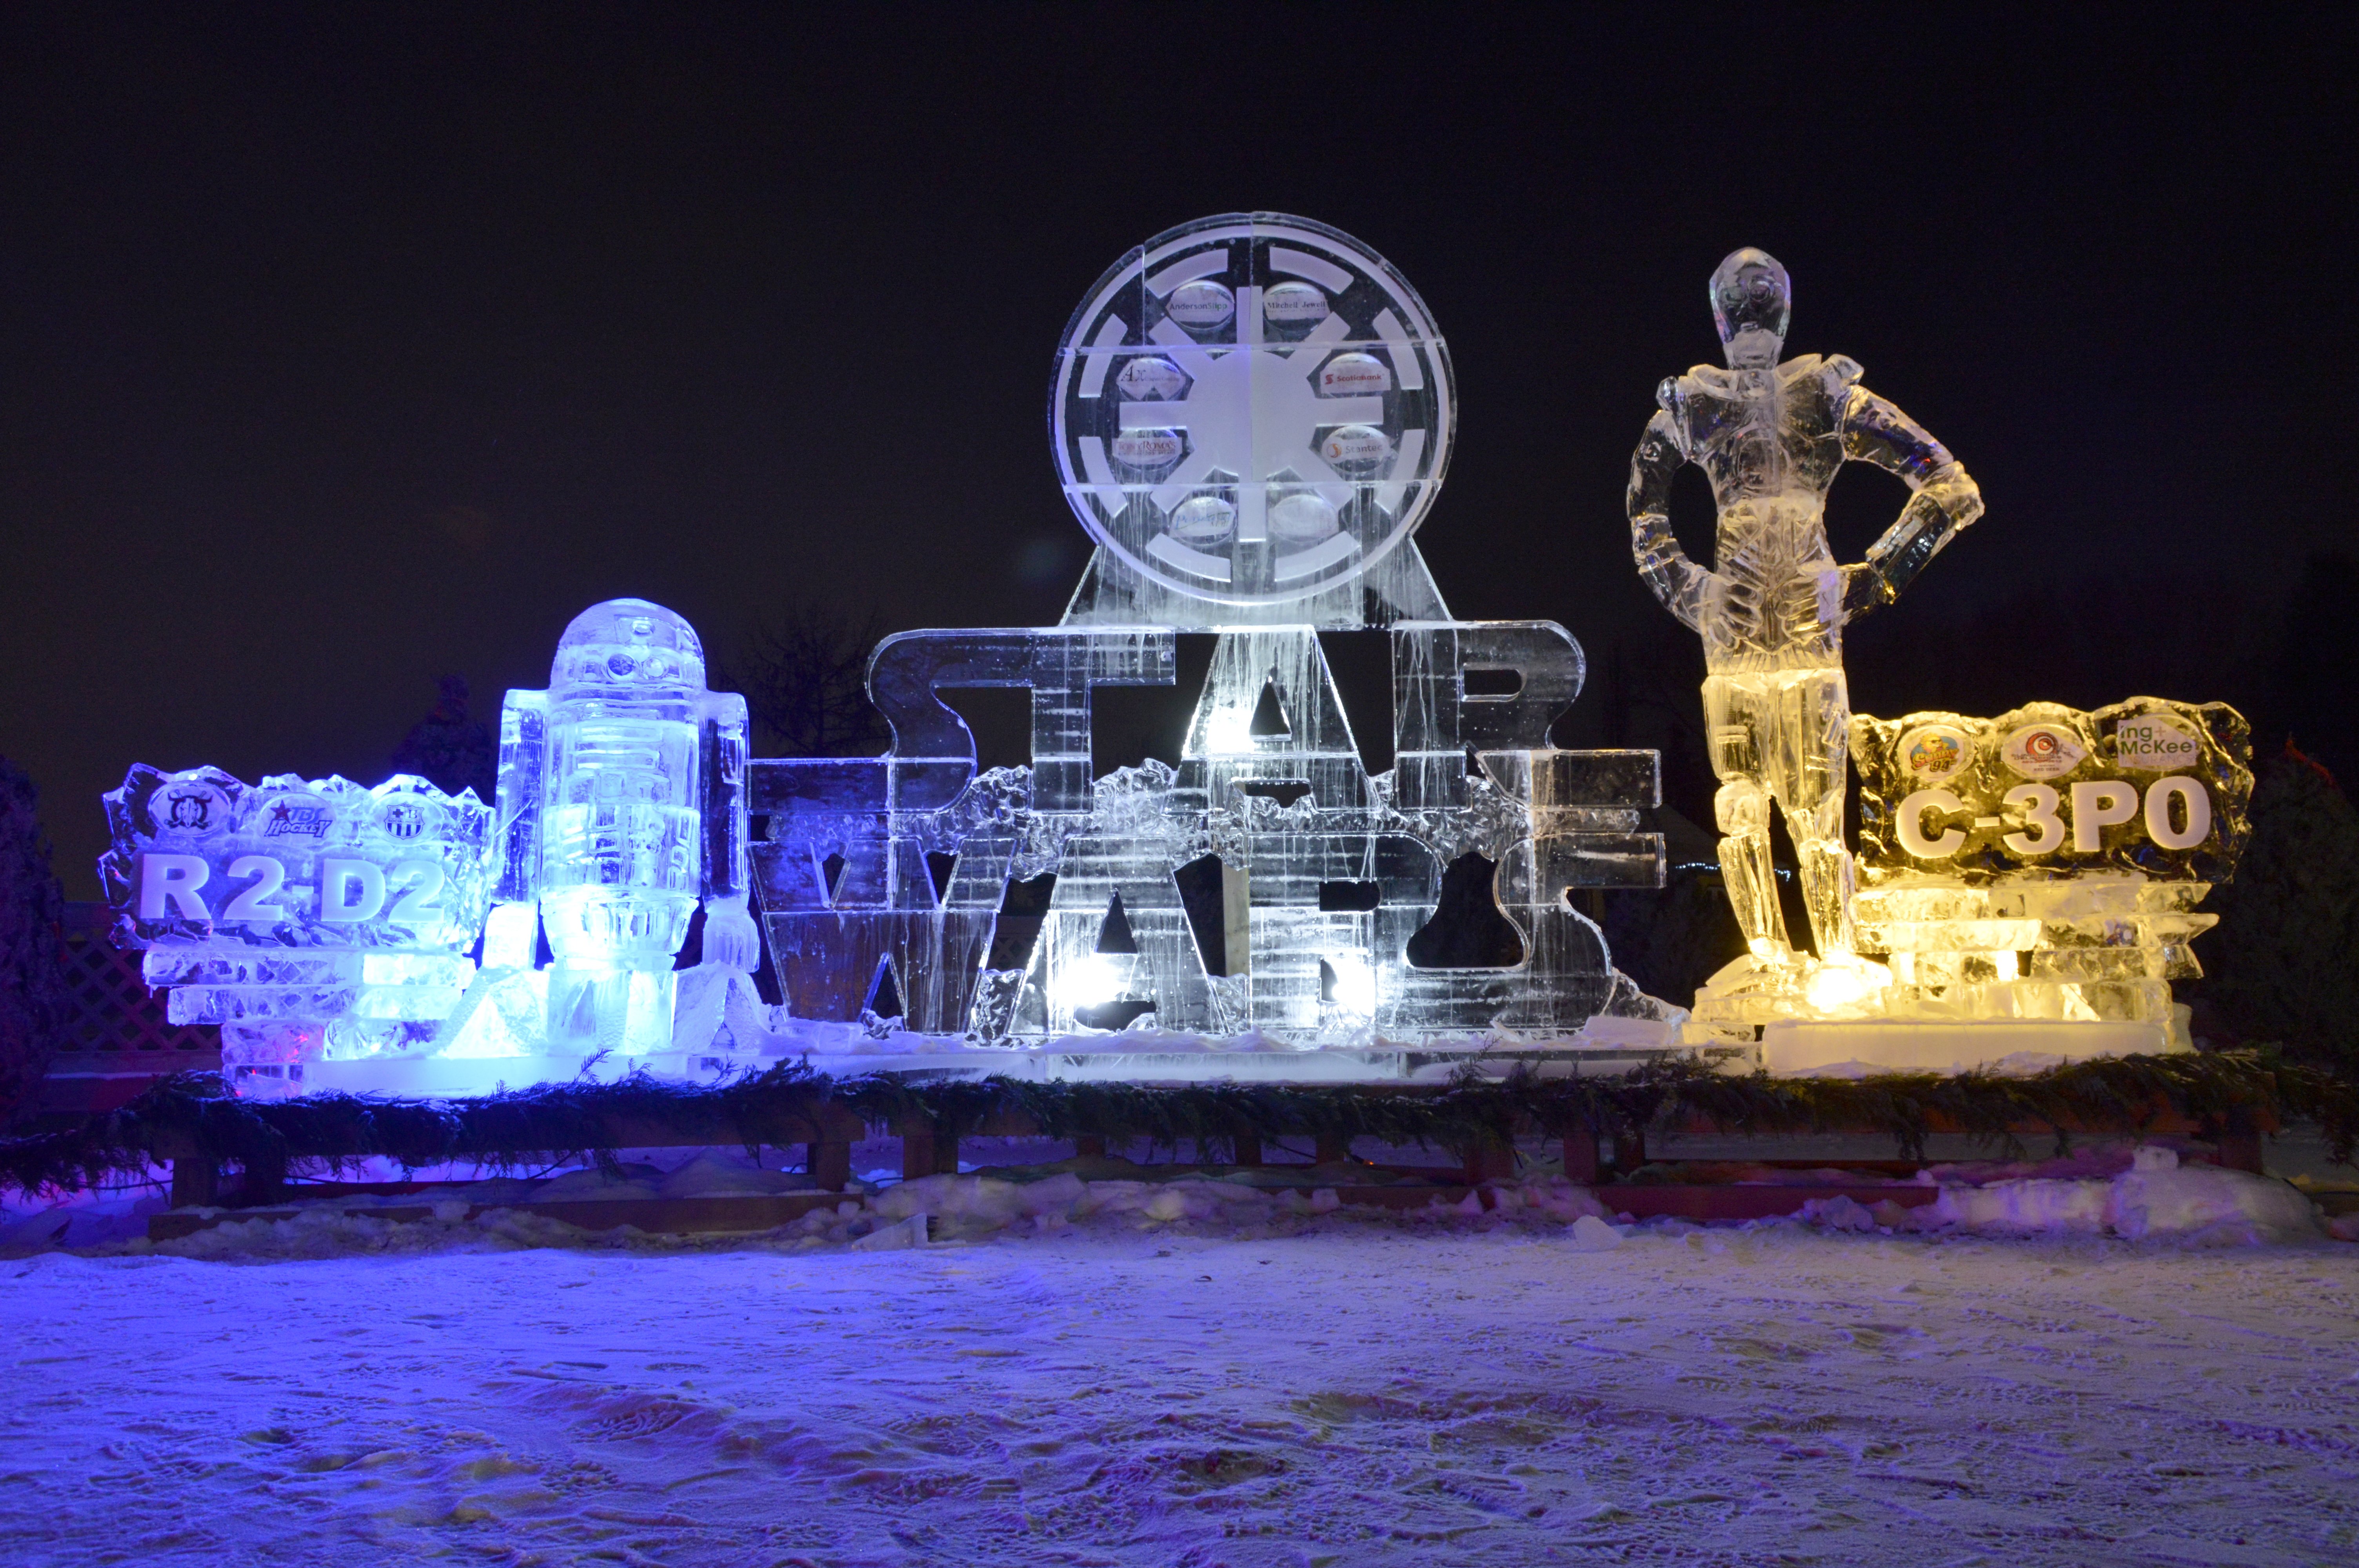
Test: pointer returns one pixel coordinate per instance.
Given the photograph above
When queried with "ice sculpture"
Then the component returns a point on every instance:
(622, 806)
(1770, 436)
(313, 921)
(2046, 864)
(1251, 414)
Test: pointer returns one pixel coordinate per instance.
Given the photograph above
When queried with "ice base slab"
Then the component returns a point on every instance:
(1331, 1064)
(457, 1077)
(1792, 1047)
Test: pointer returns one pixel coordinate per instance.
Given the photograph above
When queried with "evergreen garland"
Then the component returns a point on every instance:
(191, 1115)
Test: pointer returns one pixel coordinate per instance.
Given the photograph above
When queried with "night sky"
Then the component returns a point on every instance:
(341, 347)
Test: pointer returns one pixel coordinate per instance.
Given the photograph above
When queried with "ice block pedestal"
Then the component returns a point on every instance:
(1797, 1047)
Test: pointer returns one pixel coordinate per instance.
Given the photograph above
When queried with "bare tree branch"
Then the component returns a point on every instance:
(804, 677)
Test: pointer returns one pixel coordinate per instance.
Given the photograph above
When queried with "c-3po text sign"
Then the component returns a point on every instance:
(2145, 785)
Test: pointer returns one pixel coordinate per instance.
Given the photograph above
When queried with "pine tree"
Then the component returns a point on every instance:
(448, 749)
(2284, 960)
(805, 680)
(33, 999)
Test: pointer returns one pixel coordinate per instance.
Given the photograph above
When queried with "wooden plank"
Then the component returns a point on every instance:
(1748, 1201)
(736, 1213)
(758, 1212)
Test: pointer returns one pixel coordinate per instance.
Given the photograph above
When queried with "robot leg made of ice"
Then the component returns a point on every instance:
(621, 808)
(1780, 738)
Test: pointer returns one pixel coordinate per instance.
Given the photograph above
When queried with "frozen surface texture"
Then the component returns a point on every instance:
(1770, 435)
(1179, 1377)
(2146, 788)
(1267, 882)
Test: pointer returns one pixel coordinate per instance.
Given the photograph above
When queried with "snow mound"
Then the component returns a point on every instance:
(2156, 1199)
(1590, 1234)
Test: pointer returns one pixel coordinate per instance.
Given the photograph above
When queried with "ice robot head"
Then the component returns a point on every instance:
(621, 809)
(628, 647)
(1752, 299)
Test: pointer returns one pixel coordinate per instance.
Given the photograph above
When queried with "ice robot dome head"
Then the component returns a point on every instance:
(1752, 300)
(629, 646)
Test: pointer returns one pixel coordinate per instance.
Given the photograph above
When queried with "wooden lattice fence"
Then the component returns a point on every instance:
(117, 1040)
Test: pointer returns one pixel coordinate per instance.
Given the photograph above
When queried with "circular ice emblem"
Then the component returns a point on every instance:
(405, 819)
(1251, 409)
(1935, 754)
(2042, 752)
(188, 807)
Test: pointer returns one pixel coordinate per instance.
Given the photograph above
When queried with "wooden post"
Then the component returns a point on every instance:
(1248, 1148)
(917, 1148)
(2239, 1141)
(830, 1163)
(1087, 1147)
(1629, 1149)
(196, 1183)
(1581, 1163)
(1334, 1148)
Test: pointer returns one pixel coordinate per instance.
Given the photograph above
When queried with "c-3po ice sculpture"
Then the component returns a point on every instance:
(1771, 610)
(621, 806)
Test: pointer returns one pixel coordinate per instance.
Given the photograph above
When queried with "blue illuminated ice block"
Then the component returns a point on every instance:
(621, 808)
(322, 927)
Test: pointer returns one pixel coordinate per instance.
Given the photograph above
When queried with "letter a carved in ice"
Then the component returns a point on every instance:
(1770, 435)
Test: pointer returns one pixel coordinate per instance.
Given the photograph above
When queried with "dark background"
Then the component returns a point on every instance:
(343, 347)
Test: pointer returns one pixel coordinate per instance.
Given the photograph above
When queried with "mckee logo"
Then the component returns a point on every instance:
(2152, 744)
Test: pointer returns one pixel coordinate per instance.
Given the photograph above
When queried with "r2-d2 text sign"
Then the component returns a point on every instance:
(311, 919)
(2146, 785)
(200, 857)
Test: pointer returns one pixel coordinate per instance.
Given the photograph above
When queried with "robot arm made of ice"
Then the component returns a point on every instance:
(512, 930)
(730, 940)
(1946, 499)
(1678, 581)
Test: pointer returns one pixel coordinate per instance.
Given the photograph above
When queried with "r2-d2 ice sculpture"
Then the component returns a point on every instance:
(621, 806)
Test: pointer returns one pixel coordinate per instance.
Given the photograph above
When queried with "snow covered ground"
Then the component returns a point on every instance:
(1239, 1381)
